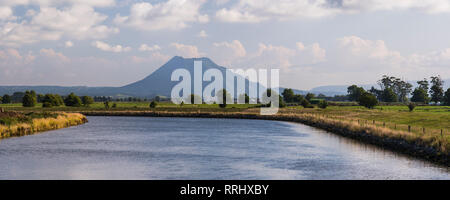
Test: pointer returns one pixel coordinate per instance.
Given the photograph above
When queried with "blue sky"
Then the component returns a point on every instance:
(313, 43)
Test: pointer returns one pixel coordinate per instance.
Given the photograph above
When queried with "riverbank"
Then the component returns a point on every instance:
(429, 147)
(19, 124)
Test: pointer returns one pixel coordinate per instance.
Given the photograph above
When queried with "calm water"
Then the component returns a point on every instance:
(183, 148)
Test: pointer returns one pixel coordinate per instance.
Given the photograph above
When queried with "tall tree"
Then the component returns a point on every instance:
(389, 95)
(288, 95)
(420, 95)
(355, 92)
(437, 92)
(447, 97)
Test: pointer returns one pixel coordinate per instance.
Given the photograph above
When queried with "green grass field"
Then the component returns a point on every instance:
(396, 117)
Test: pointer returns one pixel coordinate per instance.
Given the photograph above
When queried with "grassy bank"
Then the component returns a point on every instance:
(432, 147)
(14, 124)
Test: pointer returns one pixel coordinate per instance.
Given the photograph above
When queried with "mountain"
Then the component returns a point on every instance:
(158, 83)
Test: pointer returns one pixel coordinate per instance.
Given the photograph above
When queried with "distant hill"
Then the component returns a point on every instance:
(158, 83)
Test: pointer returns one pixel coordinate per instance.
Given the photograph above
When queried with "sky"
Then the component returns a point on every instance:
(313, 42)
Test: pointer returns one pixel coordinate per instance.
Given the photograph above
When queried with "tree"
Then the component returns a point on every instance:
(423, 84)
(368, 100)
(389, 95)
(309, 96)
(6, 99)
(51, 100)
(288, 95)
(437, 92)
(447, 97)
(153, 104)
(72, 100)
(323, 104)
(87, 100)
(400, 88)
(354, 92)
(193, 97)
(305, 103)
(378, 93)
(420, 95)
(245, 97)
(298, 98)
(30, 99)
(222, 96)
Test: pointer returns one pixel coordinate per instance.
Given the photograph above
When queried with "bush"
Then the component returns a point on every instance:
(47, 105)
(368, 100)
(114, 105)
(87, 100)
(30, 99)
(52, 100)
(323, 104)
(411, 106)
(72, 100)
(6, 99)
(153, 104)
(305, 103)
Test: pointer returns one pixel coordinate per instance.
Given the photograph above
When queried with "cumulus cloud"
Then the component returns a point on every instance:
(111, 48)
(252, 11)
(53, 20)
(145, 47)
(172, 15)
(189, 51)
(54, 56)
(94, 3)
(226, 53)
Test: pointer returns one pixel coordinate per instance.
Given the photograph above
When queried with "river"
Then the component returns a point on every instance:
(188, 148)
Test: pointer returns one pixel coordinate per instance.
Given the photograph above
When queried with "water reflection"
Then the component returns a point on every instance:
(182, 148)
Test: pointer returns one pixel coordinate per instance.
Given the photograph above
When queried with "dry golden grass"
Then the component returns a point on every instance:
(63, 120)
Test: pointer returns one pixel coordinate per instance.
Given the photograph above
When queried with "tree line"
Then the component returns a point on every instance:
(393, 89)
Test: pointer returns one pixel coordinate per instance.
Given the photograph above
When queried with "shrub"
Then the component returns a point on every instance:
(305, 103)
(87, 100)
(153, 104)
(368, 100)
(323, 104)
(114, 105)
(47, 105)
(72, 100)
(411, 106)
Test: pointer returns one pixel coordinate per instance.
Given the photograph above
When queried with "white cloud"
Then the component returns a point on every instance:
(252, 11)
(202, 34)
(77, 22)
(172, 15)
(93, 3)
(111, 48)
(5, 13)
(226, 53)
(54, 56)
(68, 44)
(376, 49)
(145, 47)
(189, 51)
